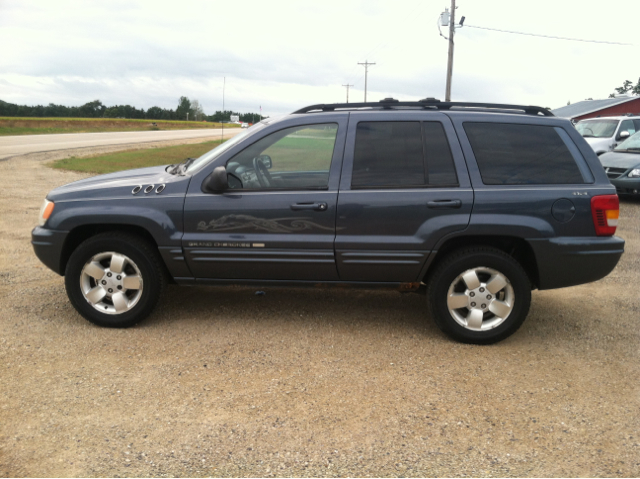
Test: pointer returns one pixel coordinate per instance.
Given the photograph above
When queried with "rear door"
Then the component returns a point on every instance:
(404, 186)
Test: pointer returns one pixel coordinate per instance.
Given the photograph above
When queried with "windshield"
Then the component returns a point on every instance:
(631, 143)
(218, 150)
(597, 128)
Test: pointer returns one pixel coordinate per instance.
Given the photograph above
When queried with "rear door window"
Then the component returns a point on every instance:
(388, 153)
(439, 162)
(396, 154)
(510, 154)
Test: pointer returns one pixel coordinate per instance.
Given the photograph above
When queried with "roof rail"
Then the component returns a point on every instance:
(427, 104)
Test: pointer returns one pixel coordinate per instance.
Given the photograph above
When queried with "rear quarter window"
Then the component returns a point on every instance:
(509, 154)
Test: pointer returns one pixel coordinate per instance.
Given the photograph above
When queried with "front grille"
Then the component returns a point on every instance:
(615, 172)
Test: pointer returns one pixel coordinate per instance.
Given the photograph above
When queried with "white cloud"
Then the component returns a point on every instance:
(287, 54)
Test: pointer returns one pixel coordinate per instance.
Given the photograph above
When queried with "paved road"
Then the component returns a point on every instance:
(23, 144)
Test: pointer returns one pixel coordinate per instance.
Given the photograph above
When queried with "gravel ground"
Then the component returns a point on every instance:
(221, 382)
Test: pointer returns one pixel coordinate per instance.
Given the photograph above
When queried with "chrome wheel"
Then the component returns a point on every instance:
(111, 283)
(480, 299)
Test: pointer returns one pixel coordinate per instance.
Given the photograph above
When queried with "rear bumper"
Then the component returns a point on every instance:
(48, 245)
(568, 261)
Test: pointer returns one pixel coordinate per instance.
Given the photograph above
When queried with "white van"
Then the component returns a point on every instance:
(604, 133)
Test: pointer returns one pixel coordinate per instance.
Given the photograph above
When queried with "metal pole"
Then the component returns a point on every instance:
(452, 30)
(347, 92)
(224, 82)
(366, 72)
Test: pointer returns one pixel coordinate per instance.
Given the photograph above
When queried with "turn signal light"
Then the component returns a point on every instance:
(605, 210)
(45, 211)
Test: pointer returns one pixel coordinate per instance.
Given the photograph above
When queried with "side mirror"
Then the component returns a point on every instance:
(266, 161)
(624, 135)
(217, 181)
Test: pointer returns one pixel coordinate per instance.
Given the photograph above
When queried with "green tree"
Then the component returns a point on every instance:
(154, 113)
(196, 111)
(93, 109)
(184, 107)
(627, 87)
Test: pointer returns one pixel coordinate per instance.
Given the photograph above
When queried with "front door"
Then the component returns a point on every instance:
(277, 220)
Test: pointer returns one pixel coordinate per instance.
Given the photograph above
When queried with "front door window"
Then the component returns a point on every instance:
(297, 158)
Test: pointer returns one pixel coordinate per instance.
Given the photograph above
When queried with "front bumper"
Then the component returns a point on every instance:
(626, 186)
(568, 261)
(48, 246)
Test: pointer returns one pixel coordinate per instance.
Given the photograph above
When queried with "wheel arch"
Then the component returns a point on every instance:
(81, 233)
(518, 248)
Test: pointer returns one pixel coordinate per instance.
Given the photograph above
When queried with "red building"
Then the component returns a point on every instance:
(618, 106)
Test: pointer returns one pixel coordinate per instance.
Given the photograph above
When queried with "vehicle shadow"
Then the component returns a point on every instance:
(295, 307)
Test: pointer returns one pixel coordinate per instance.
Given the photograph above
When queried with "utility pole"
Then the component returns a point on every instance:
(224, 82)
(452, 30)
(348, 92)
(366, 71)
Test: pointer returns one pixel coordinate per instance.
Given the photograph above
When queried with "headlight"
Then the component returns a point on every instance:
(635, 173)
(45, 211)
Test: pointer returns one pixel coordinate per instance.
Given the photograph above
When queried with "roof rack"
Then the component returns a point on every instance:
(427, 104)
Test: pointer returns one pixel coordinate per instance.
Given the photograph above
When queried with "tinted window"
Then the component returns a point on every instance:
(521, 154)
(388, 153)
(440, 168)
(293, 158)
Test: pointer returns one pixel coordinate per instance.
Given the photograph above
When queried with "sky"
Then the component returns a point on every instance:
(281, 55)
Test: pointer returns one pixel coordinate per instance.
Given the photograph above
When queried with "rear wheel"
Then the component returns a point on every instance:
(114, 279)
(479, 295)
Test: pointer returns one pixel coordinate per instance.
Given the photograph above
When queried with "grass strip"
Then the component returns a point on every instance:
(40, 126)
(130, 159)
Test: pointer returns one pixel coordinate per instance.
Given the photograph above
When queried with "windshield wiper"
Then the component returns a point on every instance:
(181, 167)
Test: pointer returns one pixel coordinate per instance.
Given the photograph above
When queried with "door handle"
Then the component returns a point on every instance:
(440, 204)
(309, 206)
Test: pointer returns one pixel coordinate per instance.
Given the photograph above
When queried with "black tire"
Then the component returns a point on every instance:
(486, 327)
(143, 265)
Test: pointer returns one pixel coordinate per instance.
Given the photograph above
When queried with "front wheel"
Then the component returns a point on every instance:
(479, 295)
(114, 279)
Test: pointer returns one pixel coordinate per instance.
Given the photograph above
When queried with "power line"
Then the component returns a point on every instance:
(546, 36)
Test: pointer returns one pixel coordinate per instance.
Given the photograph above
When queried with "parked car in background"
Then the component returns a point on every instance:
(604, 134)
(622, 166)
(244, 125)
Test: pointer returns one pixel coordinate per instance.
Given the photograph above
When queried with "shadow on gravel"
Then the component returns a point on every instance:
(404, 313)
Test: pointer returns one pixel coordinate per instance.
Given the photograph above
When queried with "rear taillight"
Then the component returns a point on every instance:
(605, 210)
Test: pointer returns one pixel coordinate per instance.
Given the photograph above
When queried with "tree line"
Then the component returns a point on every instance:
(627, 87)
(186, 110)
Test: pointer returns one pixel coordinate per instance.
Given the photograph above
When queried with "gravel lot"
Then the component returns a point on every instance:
(221, 382)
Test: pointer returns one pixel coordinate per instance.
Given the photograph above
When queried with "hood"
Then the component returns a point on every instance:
(600, 144)
(121, 184)
(619, 160)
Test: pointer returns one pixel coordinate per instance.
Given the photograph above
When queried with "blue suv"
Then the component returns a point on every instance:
(476, 204)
